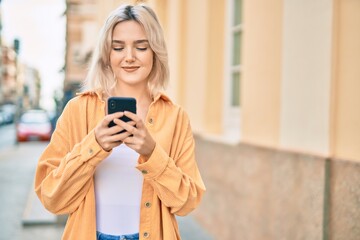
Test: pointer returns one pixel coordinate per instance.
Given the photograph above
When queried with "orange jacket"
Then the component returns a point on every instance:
(172, 182)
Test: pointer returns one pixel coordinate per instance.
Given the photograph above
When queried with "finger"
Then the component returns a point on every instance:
(115, 130)
(118, 129)
(132, 116)
(132, 123)
(130, 142)
(136, 118)
(111, 117)
(120, 137)
(119, 122)
(106, 142)
(128, 126)
(113, 145)
(140, 124)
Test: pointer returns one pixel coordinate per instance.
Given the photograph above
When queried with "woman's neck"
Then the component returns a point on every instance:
(140, 93)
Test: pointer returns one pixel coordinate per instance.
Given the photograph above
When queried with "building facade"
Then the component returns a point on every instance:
(272, 91)
(80, 28)
(19, 84)
(1, 94)
(8, 75)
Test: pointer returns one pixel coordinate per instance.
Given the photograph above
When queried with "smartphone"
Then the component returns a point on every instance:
(121, 104)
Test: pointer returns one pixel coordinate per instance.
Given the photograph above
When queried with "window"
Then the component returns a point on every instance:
(233, 63)
(236, 53)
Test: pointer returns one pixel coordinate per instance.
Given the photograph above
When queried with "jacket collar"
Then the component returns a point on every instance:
(98, 93)
(162, 96)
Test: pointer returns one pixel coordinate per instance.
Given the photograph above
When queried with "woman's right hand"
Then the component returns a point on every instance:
(108, 138)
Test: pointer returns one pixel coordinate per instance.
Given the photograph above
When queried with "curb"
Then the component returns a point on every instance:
(35, 213)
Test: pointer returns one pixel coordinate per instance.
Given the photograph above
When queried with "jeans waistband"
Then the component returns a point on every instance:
(103, 236)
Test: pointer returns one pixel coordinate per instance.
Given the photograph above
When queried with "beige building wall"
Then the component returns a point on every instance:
(214, 99)
(299, 76)
(346, 88)
(261, 85)
(175, 41)
(306, 76)
(195, 62)
(300, 111)
(195, 38)
(287, 77)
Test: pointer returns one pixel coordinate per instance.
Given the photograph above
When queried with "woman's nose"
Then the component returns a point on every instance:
(129, 57)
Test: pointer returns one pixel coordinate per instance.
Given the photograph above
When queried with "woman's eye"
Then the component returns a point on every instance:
(141, 48)
(118, 48)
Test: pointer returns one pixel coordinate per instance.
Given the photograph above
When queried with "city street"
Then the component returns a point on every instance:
(22, 216)
(7, 136)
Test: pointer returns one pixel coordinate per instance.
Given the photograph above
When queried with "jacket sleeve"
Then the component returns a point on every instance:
(65, 169)
(177, 181)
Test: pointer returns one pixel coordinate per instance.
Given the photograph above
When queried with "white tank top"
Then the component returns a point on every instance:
(118, 188)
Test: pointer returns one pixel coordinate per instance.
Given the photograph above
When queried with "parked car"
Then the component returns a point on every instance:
(2, 118)
(9, 112)
(6, 117)
(34, 125)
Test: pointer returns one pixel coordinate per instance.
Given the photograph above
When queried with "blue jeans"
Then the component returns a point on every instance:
(102, 236)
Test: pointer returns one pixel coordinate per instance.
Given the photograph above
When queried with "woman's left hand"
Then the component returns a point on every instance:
(141, 140)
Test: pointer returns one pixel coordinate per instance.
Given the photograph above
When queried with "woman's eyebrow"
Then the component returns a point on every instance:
(141, 41)
(136, 42)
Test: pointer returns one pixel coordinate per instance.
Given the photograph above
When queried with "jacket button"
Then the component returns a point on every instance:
(144, 172)
(147, 204)
(146, 234)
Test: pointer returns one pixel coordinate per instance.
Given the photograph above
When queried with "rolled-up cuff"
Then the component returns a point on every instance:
(155, 165)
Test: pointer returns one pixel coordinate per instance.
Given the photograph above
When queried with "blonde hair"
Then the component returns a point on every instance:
(100, 75)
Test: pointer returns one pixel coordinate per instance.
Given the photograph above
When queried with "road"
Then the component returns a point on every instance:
(7, 136)
(17, 169)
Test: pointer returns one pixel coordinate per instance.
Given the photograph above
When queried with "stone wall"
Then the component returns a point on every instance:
(256, 193)
(344, 200)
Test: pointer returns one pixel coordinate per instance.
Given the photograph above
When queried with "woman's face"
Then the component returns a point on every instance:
(131, 57)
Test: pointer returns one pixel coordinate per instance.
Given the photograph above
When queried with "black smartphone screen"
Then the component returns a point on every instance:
(121, 104)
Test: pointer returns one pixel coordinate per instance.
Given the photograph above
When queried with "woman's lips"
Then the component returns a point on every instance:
(130, 69)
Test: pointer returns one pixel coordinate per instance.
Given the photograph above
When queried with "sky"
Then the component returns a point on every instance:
(40, 27)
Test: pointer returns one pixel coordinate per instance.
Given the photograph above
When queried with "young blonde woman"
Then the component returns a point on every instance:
(127, 185)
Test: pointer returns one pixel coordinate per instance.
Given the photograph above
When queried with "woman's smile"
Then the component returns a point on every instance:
(130, 68)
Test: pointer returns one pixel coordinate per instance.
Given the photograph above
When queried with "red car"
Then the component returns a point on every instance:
(34, 125)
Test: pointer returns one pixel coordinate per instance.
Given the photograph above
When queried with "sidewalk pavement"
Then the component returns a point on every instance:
(23, 216)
